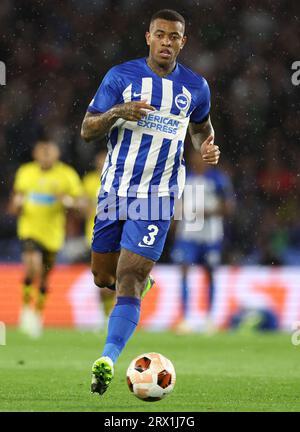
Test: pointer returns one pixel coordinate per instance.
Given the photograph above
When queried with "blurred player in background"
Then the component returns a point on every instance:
(202, 245)
(91, 187)
(145, 106)
(44, 190)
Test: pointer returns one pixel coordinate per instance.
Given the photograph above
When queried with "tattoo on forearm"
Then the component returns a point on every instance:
(199, 133)
(97, 125)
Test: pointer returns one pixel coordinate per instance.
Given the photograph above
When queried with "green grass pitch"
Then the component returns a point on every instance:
(224, 372)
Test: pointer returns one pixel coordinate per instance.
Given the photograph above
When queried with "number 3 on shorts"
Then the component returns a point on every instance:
(150, 239)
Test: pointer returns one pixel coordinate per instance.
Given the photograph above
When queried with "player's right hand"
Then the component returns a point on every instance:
(134, 111)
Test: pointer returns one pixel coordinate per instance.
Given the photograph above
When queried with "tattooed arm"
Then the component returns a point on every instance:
(97, 125)
(202, 136)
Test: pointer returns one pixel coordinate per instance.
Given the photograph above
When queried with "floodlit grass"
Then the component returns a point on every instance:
(224, 372)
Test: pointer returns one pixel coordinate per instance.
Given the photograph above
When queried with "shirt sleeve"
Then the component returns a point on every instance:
(19, 182)
(86, 186)
(107, 95)
(75, 187)
(203, 107)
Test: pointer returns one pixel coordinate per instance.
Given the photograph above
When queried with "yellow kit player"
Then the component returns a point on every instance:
(44, 190)
(91, 186)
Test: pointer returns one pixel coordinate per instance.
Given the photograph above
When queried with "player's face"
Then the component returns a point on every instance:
(165, 39)
(46, 154)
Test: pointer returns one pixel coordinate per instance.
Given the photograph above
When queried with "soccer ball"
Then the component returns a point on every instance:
(151, 377)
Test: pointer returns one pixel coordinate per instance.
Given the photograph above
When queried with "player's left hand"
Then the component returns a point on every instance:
(209, 151)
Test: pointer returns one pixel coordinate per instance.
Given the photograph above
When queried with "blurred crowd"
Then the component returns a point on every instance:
(57, 52)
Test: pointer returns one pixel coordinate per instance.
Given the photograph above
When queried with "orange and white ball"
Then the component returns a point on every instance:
(151, 377)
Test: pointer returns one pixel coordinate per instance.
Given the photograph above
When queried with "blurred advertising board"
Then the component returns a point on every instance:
(74, 299)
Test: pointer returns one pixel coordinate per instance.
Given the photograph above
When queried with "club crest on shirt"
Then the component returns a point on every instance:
(182, 101)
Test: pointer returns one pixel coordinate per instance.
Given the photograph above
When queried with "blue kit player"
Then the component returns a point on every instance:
(145, 107)
(201, 245)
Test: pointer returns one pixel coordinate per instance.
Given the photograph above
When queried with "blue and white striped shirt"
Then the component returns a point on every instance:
(146, 156)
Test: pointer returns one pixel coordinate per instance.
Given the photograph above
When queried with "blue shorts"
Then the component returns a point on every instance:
(137, 224)
(189, 252)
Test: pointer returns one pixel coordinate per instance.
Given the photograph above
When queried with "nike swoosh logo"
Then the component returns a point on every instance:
(142, 245)
(135, 94)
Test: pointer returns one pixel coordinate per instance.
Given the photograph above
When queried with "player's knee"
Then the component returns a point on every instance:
(103, 280)
(31, 273)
